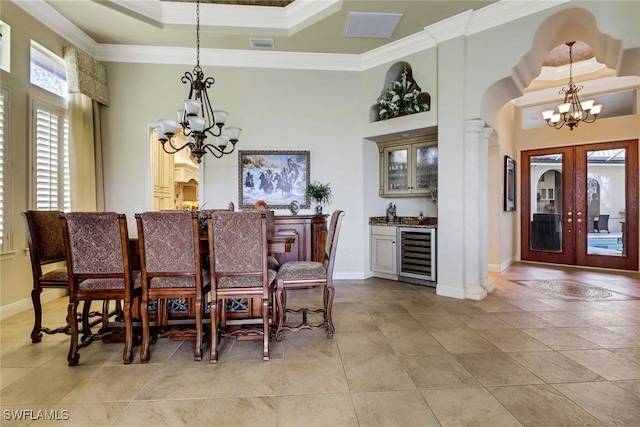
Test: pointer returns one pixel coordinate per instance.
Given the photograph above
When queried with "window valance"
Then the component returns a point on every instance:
(86, 75)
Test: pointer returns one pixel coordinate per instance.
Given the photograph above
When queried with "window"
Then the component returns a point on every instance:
(48, 71)
(52, 186)
(4, 173)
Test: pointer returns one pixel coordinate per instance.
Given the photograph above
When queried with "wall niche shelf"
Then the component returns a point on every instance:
(400, 96)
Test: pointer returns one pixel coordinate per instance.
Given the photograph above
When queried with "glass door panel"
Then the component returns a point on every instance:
(606, 201)
(427, 168)
(398, 169)
(547, 207)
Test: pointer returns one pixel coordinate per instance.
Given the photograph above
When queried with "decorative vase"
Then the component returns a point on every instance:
(294, 207)
(319, 210)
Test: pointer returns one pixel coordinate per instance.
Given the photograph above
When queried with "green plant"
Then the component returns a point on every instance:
(319, 192)
(404, 97)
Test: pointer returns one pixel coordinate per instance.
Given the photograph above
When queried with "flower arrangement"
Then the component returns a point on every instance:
(404, 97)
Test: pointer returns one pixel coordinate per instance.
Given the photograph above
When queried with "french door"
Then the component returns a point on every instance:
(580, 205)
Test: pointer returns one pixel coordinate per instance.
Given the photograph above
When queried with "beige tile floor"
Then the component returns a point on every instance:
(402, 356)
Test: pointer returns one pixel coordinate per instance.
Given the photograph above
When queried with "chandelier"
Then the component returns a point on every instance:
(198, 119)
(572, 111)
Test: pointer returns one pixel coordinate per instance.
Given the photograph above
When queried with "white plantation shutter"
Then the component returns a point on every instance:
(52, 180)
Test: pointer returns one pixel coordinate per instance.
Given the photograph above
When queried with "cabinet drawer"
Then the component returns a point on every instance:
(383, 230)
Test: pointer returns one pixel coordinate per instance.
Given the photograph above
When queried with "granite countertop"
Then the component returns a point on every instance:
(404, 221)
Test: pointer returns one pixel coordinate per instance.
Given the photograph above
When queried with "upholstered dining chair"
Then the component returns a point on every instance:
(171, 268)
(46, 247)
(99, 268)
(238, 257)
(262, 206)
(304, 274)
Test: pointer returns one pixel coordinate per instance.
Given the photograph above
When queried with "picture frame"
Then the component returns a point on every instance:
(509, 184)
(276, 177)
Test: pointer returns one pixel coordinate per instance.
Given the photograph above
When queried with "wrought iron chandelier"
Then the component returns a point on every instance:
(198, 120)
(572, 111)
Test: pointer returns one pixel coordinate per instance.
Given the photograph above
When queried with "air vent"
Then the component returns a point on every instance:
(374, 25)
(263, 43)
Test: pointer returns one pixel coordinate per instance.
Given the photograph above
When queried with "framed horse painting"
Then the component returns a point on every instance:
(276, 177)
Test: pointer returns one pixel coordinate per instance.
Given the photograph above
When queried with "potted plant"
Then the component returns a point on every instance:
(320, 193)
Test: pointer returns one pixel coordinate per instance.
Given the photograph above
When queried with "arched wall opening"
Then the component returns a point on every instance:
(499, 112)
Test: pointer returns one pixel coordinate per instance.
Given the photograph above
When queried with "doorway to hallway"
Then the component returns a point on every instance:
(579, 205)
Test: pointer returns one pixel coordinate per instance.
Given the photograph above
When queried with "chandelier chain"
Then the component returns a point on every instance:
(198, 34)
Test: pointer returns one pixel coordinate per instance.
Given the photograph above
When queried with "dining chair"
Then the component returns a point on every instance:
(305, 274)
(99, 268)
(262, 206)
(171, 268)
(46, 247)
(239, 270)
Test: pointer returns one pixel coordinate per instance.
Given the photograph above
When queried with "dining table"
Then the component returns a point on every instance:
(182, 311)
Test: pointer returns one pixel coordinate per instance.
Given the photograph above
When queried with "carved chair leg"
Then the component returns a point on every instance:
(197, 352)
(86, 325)
(144, 314)
(73, 356)
(329, 292)
(213, 314)
(127, 356)
(265, 329)
(36, 334)
(280, 305)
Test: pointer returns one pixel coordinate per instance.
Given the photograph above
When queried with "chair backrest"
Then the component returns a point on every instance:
(332, 240)
(169, 241)
(44, 236)
(97, 246)
(238, 247)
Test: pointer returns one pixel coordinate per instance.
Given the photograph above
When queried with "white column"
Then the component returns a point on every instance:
(483, 211)
(471, 213)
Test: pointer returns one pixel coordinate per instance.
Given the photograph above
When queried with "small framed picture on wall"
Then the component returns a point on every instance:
(509, 184)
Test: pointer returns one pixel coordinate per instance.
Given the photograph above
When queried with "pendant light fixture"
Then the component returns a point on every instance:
(198, 120)
(572, 111)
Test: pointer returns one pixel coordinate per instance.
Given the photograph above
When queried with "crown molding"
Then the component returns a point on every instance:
(50, 17)
(295, 14)
(228, 58)
(506, 11)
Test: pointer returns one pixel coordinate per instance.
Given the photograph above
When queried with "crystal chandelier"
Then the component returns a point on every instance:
(572, 111)
(198, 120)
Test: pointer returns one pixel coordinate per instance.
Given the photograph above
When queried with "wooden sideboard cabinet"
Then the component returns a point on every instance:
(311, 236)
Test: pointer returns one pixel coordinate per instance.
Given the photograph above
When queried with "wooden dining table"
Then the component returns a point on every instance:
(278, 243)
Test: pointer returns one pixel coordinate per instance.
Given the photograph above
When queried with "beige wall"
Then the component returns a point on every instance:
(15, 267)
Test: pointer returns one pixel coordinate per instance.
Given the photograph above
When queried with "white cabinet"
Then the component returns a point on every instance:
(408, 167)
(383, 250)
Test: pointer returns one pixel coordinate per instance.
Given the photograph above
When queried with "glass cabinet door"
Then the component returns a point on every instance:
(426, 168)
(397, 169)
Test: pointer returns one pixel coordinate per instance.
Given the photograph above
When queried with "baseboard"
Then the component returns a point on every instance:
(499, 268)
(450, 291)
(26, 304)
(349, 275)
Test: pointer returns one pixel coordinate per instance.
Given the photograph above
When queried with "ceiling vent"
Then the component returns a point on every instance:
(375, 25)
(263, 43)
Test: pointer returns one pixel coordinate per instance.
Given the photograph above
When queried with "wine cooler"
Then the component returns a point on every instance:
(416, 251)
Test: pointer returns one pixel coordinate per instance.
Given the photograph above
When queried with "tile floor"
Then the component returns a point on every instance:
(402, 356)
